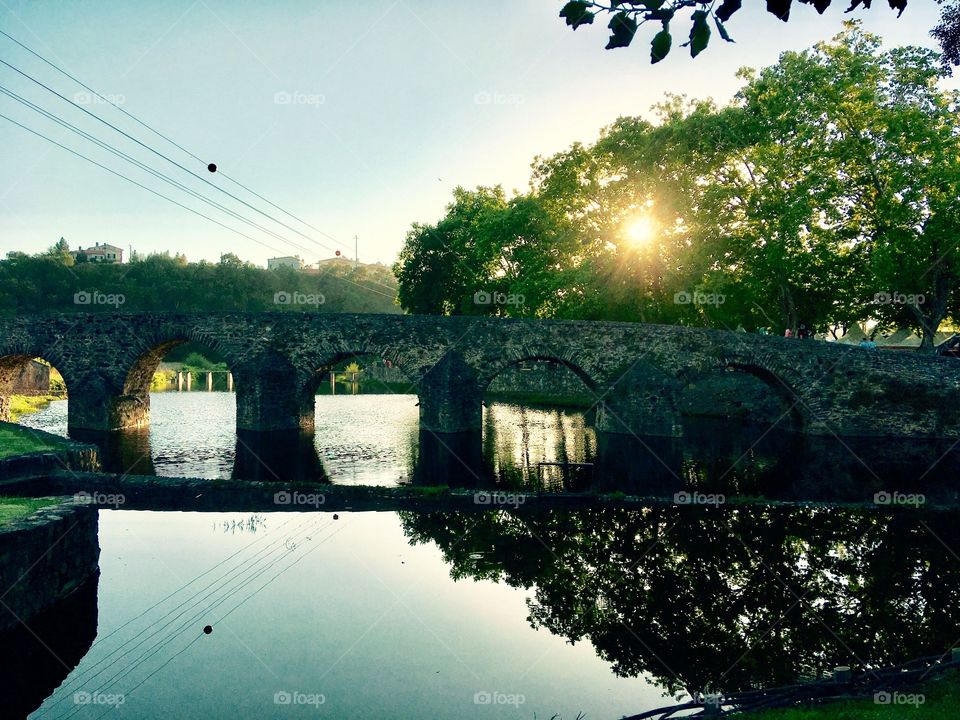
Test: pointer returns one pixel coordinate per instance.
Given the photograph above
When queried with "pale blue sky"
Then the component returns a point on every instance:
(383, 119)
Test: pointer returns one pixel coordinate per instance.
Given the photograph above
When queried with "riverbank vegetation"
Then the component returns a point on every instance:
(15, 440)
(825, 194)
(940, 701)
(21, 405)
(14, 508)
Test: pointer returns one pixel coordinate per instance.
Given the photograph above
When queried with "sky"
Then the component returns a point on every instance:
(358, 118)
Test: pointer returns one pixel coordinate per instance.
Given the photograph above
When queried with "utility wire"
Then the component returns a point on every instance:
(172, 161)
(166, 137)
(142, 166)
(175, 202)
(240, 576)
(158, 153)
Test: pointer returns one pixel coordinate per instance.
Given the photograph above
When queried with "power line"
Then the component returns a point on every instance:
(142, 166)
(159, 154)
(166, 137)
(165, 197)
(150, 190)
(178, 165)
(236, 578)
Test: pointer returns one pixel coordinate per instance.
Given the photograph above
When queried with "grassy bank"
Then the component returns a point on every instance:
(941, 698)
(20, 441)
(14, 508)
(25, 404)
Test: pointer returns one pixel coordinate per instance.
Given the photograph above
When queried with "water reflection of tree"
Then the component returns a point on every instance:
(730, 597)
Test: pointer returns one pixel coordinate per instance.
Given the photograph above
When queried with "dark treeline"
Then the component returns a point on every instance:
(51, 282)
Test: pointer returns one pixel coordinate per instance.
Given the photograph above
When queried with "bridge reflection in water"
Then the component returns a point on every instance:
(730, 597)
(37, 657)
(532, 449)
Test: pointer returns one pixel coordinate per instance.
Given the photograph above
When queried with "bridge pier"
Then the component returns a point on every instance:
(5, 408)
(450, 398)
(269, 398)
(93, 408)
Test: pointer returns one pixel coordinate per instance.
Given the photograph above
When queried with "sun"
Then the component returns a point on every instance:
(640, 230)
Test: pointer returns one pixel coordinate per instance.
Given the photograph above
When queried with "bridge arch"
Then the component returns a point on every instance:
(784, 382)
(15, 364)
(515, 357)
(140, 363)
(315, 369)
(549, 399)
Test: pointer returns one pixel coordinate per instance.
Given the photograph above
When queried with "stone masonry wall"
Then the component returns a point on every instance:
(45, 557)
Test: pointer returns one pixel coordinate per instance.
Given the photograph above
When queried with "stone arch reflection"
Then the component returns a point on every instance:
(539, 424)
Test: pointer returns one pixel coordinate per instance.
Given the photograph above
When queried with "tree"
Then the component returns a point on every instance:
(884, 139)
(60, 252)
(627, 16)
(443, 267)
(947, 33)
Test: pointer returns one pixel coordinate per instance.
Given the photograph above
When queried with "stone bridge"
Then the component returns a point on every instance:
(637, 373)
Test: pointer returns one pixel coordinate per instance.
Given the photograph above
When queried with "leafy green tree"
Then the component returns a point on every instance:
(880, 140)
(61, 253)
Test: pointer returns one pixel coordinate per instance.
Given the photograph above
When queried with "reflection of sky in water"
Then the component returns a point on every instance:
(361, 439)
(374, 624)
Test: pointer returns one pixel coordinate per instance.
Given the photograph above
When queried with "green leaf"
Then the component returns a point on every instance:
(660, 46)
(699, 33)
(723, 30)
(822, 5)
(623, 27)
(728, 8)
(780, 8)
(577, 13)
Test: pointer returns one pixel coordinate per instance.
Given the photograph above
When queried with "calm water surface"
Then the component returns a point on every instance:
(346, 609)
(499, 614)
(375, 440)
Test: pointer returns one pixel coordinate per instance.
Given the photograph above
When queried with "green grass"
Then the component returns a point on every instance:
(941, 700)
(26, 404)
(20, 441)
(14, 508)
